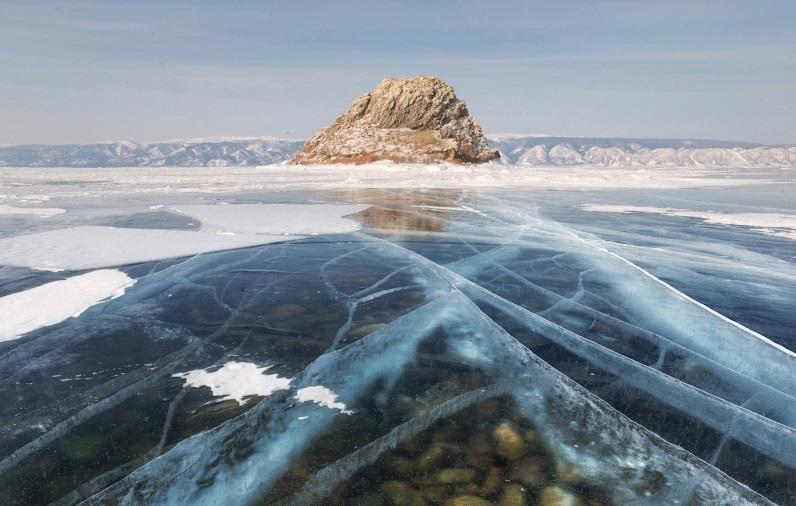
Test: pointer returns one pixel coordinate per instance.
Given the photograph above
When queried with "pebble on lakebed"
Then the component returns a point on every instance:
(485, 455)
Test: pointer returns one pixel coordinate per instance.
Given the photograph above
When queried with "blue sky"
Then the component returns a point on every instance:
(83, 71)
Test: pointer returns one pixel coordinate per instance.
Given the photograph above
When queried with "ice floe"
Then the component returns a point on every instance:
(782, 225)
(91, 247)
(224, 227)
(236, 381)
(54, 302)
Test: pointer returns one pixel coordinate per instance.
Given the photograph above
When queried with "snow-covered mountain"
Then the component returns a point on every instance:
(569, 151)
(199, 152)
(514, 148)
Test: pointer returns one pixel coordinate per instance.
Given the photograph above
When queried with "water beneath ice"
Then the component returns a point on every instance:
(487, 346)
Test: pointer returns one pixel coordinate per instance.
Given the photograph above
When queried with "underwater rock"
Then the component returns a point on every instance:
(555, 496)
(513, 495)
(510, 443)
(430, 457)
(400, 493)
(454, 475)
(414, 120)
(531, 471)
(492, 481)
(467, 500)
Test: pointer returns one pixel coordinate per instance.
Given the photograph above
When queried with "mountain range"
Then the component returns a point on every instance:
(516, 149)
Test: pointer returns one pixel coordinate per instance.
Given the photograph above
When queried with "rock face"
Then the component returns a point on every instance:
(404, 120)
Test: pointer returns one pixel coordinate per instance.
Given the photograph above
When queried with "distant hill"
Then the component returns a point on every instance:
(204, 153)
(569, 151)
(514, 148)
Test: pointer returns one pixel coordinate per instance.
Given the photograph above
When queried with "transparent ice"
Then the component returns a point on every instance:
(653, 353)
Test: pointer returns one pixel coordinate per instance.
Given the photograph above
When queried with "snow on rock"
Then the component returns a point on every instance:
(54, 302)
(43, 212)
(323, 397)
(418, 119)
(782, 225)
(236, 381)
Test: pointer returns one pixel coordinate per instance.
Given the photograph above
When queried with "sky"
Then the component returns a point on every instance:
(76, 71)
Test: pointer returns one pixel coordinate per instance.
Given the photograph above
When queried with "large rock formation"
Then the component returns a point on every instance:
(404, 120)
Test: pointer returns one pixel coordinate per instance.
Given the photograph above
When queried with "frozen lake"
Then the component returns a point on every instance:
(374, 335)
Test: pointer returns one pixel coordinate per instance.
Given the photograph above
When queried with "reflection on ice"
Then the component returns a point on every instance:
(462, 348)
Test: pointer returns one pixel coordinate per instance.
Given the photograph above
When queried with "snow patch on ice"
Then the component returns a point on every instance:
(91, 247)
(322, 396)
(43, 212)
(223, 227)
(781, 225)
(54, 302)
(236, 381)
(299, 219)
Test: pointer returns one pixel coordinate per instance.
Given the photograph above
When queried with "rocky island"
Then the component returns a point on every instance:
(414, 120)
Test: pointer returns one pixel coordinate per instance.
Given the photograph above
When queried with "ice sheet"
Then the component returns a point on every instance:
(519, 294)
(54, 302)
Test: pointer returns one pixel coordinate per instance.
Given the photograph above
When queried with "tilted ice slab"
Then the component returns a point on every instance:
(91, 247)
(56, 301)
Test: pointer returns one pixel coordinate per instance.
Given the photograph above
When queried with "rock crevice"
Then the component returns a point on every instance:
(415, 120)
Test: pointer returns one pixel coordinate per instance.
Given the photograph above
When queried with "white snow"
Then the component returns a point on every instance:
(236, 381)
(43, 212)
(224, 227)
(56, 301)
(782, 225)
(323, 397)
